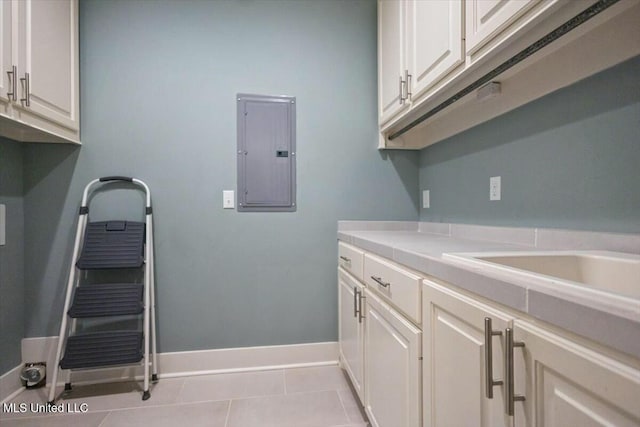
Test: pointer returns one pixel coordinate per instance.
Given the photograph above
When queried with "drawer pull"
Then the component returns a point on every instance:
(345, 259)
(489, 333)
(379, 281)
(355, 301)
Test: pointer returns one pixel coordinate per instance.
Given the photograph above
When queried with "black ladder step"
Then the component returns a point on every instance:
(98, 349)
(112, 244)
(109, 299)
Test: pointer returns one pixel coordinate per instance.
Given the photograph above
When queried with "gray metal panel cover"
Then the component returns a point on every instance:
(266, 153)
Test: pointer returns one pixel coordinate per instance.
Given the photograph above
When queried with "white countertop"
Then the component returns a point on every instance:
(606, 318)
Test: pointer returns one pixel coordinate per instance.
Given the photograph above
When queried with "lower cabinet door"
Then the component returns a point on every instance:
(351, 330)
(392, 368)
(456, 366)
(566, 384)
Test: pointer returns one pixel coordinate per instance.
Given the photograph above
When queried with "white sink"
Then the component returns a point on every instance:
(608, 271)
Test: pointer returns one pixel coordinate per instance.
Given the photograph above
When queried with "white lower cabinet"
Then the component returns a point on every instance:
(351, 331)
(565, 384)
(456, 367)
(550, 379)
(393, 366)
(477, 365)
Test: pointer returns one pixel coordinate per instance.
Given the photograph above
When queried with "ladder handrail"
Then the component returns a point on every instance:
(140, 183)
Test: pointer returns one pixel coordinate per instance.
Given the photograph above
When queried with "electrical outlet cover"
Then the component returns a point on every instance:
(495, 191)
(426, 202)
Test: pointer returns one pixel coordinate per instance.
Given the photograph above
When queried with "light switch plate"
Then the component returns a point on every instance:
(426, 203)
(3, 225)
(228, 199)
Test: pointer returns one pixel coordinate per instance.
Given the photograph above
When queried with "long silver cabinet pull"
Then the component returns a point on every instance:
(379, 281)
(345, 259)
(360, 315)
(401, 91)
(26, 101)
(489, 333)
(510, 397)
(407, 86)
(355, 301)
(13, 82)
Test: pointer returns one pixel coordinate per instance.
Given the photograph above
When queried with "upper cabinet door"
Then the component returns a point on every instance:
(6, 49)
(48, 53)
(434, 40)
(391, 58)
(486, 18)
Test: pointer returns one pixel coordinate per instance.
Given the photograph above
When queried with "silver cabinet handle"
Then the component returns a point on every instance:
(379, 281)
(13, 83)
(401, 91)
(489, 333)
(510, 397)
(26, 101)
(360, 315)
(355, 301)
(407, 80)
(345, 259)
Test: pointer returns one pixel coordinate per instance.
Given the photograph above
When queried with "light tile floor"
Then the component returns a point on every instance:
(304, 397)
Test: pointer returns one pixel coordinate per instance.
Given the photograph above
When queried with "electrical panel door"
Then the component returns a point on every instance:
(266, 153)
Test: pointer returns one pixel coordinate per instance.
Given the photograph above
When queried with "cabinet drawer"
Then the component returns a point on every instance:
(395, 284)
(351, 259)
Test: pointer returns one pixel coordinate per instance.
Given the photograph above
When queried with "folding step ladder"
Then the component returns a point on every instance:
(109, 245)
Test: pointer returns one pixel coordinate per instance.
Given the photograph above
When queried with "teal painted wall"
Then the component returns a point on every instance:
(568, 160)
(158, 102)
(12, 307)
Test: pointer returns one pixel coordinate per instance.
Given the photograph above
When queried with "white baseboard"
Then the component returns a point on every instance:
(10, 385)
(189, 363)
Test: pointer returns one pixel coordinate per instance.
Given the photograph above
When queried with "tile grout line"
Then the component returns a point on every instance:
(184, 383)
(226, 420)
(104, 419)
(344, 409)
(284, 380)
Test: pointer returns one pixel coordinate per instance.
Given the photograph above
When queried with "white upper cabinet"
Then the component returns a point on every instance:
(435, 45)
(43, 59)
(418, 43)
(486, 18)
(48, 40)
(431, 86)
(391, 58)
(6, 51)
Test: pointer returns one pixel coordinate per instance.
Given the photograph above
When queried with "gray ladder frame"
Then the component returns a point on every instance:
(149, 314)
